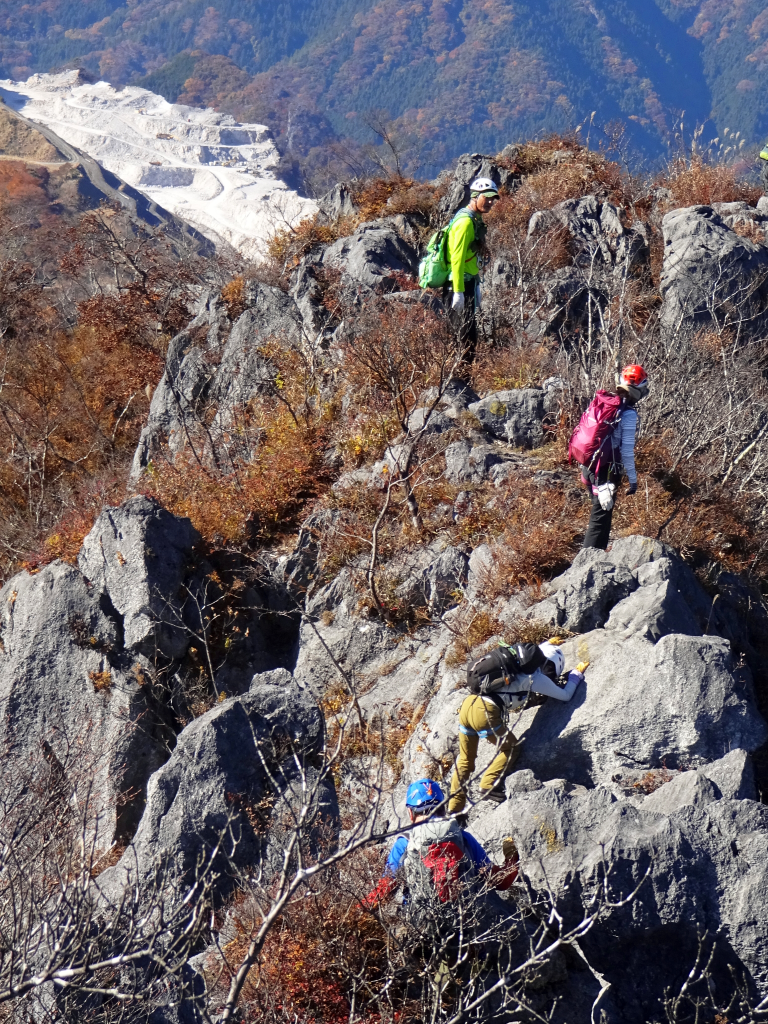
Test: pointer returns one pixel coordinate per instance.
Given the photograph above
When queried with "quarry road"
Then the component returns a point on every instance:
(202, 166)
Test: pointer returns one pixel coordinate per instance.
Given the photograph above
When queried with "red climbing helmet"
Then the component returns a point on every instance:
(634, 380)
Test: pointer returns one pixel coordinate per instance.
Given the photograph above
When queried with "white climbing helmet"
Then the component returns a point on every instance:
(555, 655)
(484, 186)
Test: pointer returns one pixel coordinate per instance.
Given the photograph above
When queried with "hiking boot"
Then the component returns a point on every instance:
(461, 818)
(494, 796)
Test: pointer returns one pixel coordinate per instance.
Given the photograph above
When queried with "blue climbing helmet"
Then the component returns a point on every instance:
(423, 794)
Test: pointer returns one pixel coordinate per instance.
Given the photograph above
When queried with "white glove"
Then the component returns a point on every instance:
(606, 494)
(458, 301)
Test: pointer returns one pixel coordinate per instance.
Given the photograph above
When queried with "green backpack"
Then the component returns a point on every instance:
(434, 269)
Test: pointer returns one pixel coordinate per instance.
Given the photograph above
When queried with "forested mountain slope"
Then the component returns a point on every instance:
(460, 75)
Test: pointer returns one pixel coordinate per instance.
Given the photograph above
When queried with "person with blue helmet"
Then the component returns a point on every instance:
(439, 850)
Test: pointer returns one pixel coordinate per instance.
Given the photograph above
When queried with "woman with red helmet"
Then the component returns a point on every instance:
(603, 474)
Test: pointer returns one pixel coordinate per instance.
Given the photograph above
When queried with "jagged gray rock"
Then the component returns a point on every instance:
(138, 555)
(711, 273)
(681, 702)
(470, 464)
(389, 672)
(214, 362)
(694, 701)
(371, 256)
(596, 227)
(516, 416)
(468, 167)
(336, 203)
(602, 250)
(432, 576)
(582, 598)
(217, 777)
(703, 852)
(66, 684)
(652, 612)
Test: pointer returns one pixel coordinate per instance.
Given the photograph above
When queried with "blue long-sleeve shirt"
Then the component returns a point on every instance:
(475, 851)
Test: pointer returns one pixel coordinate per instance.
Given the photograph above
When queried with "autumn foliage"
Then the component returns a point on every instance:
(251, 502)
(88, 302)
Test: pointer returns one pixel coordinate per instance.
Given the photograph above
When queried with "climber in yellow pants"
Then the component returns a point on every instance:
(482, 718)
(533, 671)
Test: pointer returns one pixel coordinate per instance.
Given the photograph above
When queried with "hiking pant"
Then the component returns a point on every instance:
(465, 323)
(479, 718)
(599, 529)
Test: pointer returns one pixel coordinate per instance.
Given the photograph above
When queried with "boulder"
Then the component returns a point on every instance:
(69, 689)
(658, 595)
(470, 464)
(597, 228)
(184, 381)
(336, 204)
(231, 772)
(711, 273)
(433, 577)
(681, 702)
(215, 365)
(516, 416)
(242, 372)
(371, 256)
(733, 776)
(698, 857)
(137, 556)
(392, 674)
(652, 612)
(582, 598)
(742, 213)
(468, 167)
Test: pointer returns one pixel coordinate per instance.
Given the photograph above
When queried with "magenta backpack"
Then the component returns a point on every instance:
(595, 428)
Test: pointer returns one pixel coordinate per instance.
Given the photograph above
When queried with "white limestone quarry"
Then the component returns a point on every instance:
(205, 167)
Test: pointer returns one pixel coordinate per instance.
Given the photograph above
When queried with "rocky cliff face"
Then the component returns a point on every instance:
(647, 774)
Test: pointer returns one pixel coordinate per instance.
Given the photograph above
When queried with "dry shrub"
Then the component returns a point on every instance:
(322, 942)
(233, 297)
(695, 182)
(542, 527)
(654, 779)
(553, 185)
(750, 230)
(66, 536)
(102, 681)
(560, 168)
(502, 368)
(472, 628)
(531, 631)
(381, 197)
(288, 247)
(256, 501)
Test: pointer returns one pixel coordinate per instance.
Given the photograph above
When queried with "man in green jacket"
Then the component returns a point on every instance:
(466, 236)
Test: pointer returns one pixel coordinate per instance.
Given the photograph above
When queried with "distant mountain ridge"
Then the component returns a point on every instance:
(454, 74)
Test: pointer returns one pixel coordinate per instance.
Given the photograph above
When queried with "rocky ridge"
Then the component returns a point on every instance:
(648, 770)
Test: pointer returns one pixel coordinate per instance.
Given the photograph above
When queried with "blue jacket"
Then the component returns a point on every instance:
(475, 851)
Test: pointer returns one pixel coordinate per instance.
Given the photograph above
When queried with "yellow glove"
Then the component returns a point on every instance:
(556, 641)
(582, 667)
(509, 848)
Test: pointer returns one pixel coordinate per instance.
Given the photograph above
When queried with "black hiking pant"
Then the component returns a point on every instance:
(465, 323)
(599, 529)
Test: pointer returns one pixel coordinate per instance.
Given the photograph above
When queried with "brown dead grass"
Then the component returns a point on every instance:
(694, 183)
